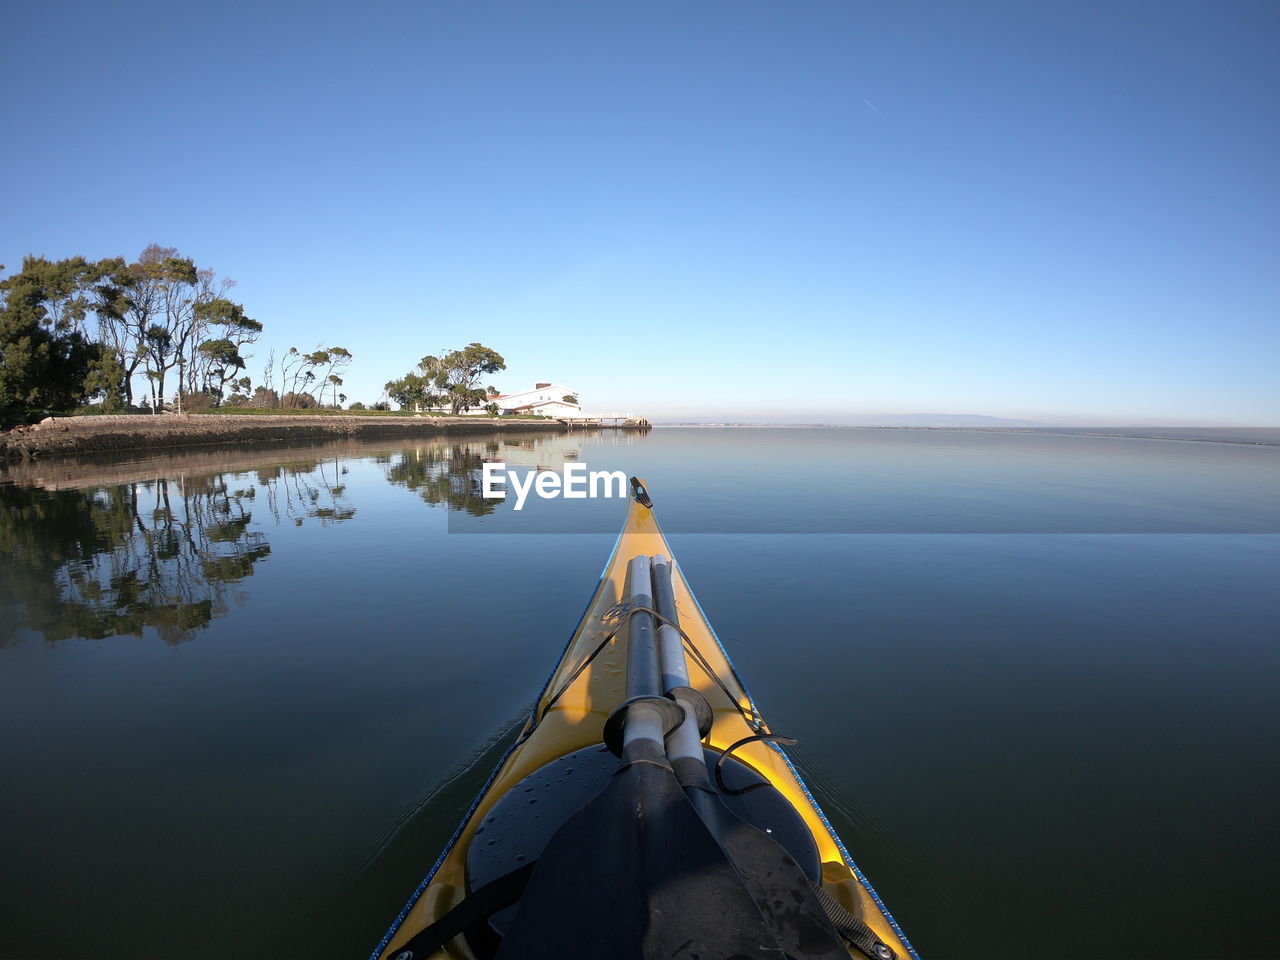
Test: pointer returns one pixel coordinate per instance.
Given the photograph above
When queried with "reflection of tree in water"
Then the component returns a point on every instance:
(447, 474)
(165, 554)
(302, 488)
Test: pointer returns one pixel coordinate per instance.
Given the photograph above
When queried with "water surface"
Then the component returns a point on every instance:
(245, 697)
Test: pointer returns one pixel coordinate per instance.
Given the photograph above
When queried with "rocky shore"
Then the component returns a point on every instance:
(64, 436)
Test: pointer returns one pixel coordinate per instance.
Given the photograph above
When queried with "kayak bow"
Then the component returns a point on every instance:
(646, 809)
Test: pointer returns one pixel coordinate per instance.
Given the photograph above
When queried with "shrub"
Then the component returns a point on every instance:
(199, 402)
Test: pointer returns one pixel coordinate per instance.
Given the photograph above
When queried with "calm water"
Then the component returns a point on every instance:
(246, 696)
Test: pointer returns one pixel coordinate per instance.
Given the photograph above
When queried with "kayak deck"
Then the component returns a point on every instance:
(570, 715)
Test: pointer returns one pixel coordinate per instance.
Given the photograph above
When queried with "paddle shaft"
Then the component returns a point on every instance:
(685, 740)
(644, 677)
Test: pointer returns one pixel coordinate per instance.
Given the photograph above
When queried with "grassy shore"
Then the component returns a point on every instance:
(114, 433)
(95, 411)
(260, 411)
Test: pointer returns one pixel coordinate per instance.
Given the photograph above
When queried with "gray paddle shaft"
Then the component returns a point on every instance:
(643, 674)
(685, 741)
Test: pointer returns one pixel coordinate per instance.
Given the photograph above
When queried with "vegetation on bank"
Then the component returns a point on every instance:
(81, 336)
(333, 412)
(451, 379)
(98, 410)
(76, 330)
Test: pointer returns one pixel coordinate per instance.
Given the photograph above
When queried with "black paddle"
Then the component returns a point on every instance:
(634, 874)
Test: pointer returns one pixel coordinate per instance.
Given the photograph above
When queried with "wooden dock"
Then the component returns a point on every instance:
(613, 422)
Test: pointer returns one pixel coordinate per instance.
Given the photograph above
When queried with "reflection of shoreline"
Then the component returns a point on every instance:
(165, 555)
(77, 473)
(160, 544)
(98, 547)
(102, 547)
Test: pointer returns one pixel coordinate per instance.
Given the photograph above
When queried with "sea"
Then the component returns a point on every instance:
(247, 694)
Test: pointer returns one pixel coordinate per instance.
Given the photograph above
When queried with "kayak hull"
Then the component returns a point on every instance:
(576, 720)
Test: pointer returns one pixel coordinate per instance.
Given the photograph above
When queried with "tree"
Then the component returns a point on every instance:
(264, 398)
(222, 329)
(269, 377)
(104, 379)
(295, 374)
(75, 329)
(158, 312)
(451, 378)
(299, 401)
(301, 373)
(45, 355)
(158, 303)
(222, 361)
(412, 392)
(458, 373)
(570, 398)
(333, 360)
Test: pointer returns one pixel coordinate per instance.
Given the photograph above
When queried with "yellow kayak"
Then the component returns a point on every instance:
(646, 810)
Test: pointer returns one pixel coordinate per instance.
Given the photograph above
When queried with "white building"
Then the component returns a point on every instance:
(545, 399)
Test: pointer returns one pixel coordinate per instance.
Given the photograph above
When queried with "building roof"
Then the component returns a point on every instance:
(556, 390)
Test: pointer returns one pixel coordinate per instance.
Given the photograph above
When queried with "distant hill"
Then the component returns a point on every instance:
(1261, 436)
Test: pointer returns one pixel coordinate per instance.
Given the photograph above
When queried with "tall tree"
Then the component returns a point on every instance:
(223, 329)
(327, 362)
(74, 329)
(451, 378)
(220, 321)
(459, 373)
(301, 373)
(413, 391)
(159, 311)
(45, 356)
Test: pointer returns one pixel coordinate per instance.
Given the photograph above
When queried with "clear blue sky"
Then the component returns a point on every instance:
(1058, 211)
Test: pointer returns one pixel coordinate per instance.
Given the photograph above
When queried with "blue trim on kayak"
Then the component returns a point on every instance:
(777, 748)
(848, 860)
(426, 882)
(493, 775)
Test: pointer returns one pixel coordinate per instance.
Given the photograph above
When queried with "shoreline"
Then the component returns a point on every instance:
(75, 436)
